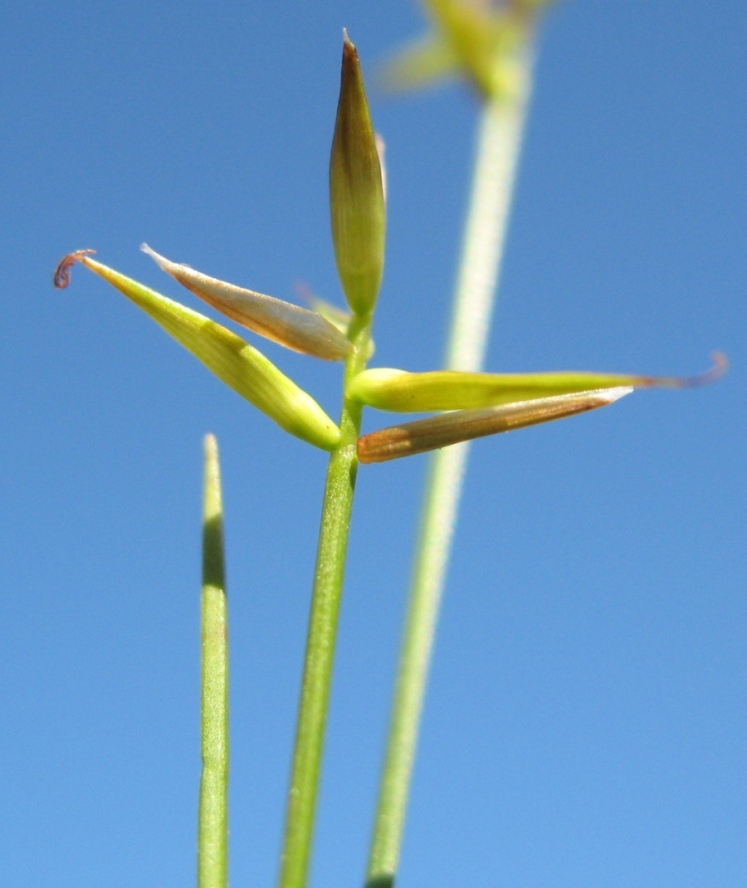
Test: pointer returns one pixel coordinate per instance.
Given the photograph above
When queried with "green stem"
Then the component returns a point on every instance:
(322, 633)
(212, 865)
(499, 142)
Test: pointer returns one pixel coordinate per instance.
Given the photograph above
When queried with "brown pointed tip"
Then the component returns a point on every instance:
(349, 51)
(62, 273)
(161, 261)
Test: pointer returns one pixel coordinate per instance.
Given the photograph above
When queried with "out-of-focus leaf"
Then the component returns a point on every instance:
(475, 39)
(470, 39)
(421, 63)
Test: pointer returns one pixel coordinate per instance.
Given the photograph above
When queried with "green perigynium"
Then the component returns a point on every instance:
(403, 392)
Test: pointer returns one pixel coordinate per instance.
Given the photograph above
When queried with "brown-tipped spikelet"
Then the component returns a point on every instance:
(356, 191)
(290, 325)
(464, 425)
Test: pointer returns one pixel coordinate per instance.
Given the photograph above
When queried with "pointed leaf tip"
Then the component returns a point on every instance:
(611, 395)
(212, 503)
(161, 261)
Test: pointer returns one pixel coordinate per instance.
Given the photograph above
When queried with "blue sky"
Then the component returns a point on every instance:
(586, 720)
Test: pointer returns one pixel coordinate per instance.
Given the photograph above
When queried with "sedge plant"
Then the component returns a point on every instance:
(466, 404)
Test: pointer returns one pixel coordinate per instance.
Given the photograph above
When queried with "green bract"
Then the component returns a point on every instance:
(403, 392)
(356, 191)
(230, 358)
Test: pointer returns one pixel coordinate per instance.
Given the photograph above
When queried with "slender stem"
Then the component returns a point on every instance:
(320, 644)
(212, 865)
(498, 145)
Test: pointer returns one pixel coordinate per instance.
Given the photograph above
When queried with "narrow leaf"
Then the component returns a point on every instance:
(212, 833)
(232, 360)
(290, 325)
(403, 392)
(464, 425)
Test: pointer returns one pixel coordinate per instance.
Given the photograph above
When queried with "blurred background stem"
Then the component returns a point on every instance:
(212, 853)
(500, 132)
